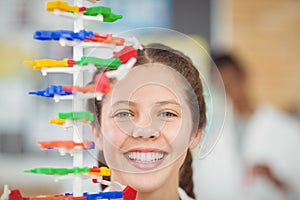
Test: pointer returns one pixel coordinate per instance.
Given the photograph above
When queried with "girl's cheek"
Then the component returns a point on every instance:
(113, 134)
(178, 134)
(173, 129)
(171, 132)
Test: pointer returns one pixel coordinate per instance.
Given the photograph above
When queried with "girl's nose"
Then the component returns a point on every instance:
(145, 132)
(147, 126)
(143, 120)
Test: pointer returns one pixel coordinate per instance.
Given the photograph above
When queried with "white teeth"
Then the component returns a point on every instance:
(145, 157)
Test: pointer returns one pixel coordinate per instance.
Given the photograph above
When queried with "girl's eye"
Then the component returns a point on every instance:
(123, 114)
(167, 114)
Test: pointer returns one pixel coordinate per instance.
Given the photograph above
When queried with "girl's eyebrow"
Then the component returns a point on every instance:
(167, 102)
(131, 103)
(123, 102)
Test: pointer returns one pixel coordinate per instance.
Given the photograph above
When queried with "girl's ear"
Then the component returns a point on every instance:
(196, 140)
(97, 137)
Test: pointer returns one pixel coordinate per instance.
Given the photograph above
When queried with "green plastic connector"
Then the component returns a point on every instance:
(77, 115)
(108, 16)
(111, 18)
(58, 171)
(48, 171)
(112, 63)
(94, 11)
(78, 170)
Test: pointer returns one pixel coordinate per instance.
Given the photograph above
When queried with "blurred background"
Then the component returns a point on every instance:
(263, 35)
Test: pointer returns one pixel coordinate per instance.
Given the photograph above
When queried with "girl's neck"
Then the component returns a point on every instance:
(163, 193)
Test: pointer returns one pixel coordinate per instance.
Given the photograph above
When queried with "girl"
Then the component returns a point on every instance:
(147, 124)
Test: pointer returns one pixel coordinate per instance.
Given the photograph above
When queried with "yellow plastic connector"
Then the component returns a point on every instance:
(39, 64)
(62, 6)
(104, 171)
(57, 121)
(85, 121)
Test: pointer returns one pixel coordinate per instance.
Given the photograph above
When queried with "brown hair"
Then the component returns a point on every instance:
(226, 60)
(158, 53)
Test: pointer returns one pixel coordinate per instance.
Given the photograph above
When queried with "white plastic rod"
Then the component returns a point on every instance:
(78, 106)
(98, 18)
(67, 70)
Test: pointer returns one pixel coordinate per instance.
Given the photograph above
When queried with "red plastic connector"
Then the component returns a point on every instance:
(71, 63)
(15, 195)
(102, 83)
(95, 169)
(126, 53)
(82, 9)
(129, 193)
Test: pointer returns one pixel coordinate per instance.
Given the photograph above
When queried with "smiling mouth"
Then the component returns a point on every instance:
(145, 160)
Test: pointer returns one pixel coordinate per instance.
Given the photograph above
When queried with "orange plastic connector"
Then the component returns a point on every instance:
(66, 144)
(57, 197)
(86, 89)
(102, 86)
(106, 39)
(59, 121)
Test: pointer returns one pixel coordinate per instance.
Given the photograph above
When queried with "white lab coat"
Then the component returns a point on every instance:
(273, 137)
(270, 137)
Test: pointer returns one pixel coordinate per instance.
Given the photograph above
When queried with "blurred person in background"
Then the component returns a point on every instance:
(257, 157)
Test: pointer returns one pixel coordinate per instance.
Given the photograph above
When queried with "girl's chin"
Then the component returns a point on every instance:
(144, 183)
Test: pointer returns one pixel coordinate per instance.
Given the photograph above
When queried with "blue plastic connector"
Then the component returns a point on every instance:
(66, 34)
(92, 147)
(51, 91)
(104, 195)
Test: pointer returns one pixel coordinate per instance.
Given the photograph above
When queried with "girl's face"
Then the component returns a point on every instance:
(146, 124)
